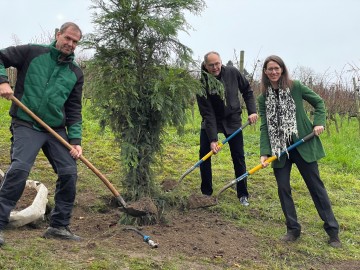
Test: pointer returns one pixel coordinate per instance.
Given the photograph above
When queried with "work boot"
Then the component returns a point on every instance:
(290, 237)
(2, 240)
(60, 233)
(335, 242)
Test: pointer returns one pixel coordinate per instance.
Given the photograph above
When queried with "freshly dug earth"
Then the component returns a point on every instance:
(26, 199)
(169, 184)
(200, 201)
(199, 239)
(145, 205)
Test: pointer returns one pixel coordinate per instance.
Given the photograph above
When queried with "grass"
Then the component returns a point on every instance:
(340, 171)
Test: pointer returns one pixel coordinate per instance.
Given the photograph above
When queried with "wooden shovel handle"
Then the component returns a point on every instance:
(65, 143)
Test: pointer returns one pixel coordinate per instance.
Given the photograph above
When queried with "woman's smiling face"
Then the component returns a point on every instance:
(273, 71)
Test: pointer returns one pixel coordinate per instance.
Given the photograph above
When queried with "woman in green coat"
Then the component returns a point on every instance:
(283, 122)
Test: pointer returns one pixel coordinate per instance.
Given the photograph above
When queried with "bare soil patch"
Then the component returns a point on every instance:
(198, 238)
(26, 199)
(200, 201)
(169, 184)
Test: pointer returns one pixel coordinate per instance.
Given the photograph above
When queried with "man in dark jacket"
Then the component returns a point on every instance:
(49, 83)
(220, 109)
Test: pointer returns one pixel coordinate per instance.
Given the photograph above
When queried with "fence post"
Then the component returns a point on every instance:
(357, 96)
(56, 30)
(12, 75)
(241, 68)
(357, 99)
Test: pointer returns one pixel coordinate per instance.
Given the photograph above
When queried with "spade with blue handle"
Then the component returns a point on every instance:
(269, 160)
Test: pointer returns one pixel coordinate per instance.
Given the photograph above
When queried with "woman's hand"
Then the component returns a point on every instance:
(263, 161)
(318, 130)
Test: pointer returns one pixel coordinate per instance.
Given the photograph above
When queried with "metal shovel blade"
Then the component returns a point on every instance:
(169, 185)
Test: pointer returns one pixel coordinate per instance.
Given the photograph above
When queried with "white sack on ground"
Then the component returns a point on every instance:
(33, 212)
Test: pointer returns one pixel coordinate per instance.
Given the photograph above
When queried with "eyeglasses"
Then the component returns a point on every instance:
(276, 69)
(217, 64)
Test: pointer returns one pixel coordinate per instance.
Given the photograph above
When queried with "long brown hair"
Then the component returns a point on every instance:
(284, 80)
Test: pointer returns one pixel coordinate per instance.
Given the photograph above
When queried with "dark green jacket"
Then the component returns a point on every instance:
(48, 86)
(311, 150)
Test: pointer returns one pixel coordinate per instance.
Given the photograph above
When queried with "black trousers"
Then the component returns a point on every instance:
(310, 174)
(26, 144)
(237, 153)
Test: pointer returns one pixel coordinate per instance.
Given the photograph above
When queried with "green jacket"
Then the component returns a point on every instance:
(49, 86)
(310, 151)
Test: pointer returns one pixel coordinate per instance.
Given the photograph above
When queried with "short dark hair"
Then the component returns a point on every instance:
(70, 24)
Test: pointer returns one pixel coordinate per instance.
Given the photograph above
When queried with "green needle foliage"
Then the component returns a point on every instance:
(139, 80)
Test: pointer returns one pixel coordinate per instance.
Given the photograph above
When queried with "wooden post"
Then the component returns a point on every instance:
(357, 98)
(56, 30)
(241, 68)
(12, 75)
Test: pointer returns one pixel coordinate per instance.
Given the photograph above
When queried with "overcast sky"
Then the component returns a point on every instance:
(319, 34)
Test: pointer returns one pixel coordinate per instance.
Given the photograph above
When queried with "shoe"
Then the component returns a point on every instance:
(2, 240)
(290, 237)
(335, 242)
(244, 201)
(60, 233)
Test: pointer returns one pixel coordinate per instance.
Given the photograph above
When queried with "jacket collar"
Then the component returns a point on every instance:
(59, 56)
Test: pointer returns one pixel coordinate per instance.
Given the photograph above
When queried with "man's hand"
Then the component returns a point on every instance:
(215, 147)
(6, 91)
(252, 118)
(76, 151)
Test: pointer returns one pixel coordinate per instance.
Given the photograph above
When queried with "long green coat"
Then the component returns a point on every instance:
(310, 151)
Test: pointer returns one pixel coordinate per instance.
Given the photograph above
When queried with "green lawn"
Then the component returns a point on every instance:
(340, 172)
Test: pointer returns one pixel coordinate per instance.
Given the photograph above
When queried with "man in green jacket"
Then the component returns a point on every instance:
(49, 83)
(283, 122)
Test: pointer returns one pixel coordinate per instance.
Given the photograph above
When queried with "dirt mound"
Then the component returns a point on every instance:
(200, 201)
(145, 204)
(168, 184)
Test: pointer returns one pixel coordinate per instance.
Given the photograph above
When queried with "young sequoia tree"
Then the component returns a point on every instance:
(139, 78)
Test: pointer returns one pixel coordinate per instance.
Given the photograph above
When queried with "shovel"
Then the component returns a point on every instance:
(206, 202)
(170, 184)
(269, 160)
(133, 211)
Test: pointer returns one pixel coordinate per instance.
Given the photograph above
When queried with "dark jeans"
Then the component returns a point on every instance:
(310, 174)
(26, 144)
(237, 153)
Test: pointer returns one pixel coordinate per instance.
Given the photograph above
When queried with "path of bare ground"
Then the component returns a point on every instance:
(198, 239)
